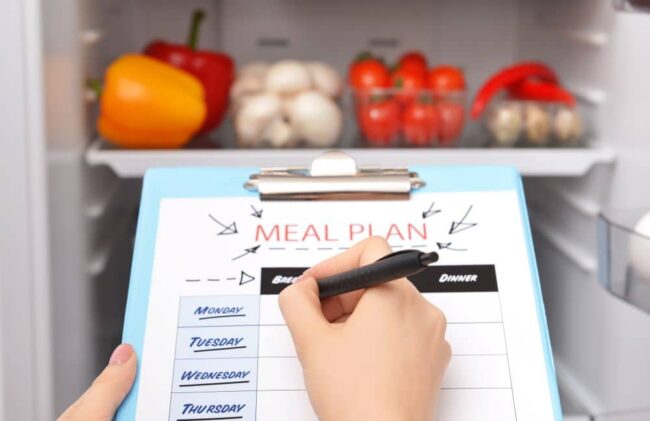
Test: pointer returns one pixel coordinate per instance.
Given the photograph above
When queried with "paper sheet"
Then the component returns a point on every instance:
(216, 346)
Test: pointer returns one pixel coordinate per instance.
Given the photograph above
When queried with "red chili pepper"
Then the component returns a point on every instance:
(215, 71)
(542, 91)
(508, 77)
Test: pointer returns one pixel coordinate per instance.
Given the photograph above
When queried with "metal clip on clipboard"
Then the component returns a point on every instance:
(334, 176)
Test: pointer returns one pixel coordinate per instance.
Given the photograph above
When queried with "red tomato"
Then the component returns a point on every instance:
(413, 60)
(421, 123)
(445, 79)
(409, 82)
(452, 119)
(369, 73)
(379, 121)
(407, 79)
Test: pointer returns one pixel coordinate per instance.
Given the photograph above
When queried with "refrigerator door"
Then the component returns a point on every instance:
(25, 348)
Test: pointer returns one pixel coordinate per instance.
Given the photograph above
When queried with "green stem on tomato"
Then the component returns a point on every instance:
(197, 18)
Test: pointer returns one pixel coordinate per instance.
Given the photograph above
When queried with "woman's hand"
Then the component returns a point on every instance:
(109, 389)
(375, 354)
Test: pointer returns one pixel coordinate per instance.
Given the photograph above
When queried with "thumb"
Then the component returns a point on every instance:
(108, 390)
(301, 308)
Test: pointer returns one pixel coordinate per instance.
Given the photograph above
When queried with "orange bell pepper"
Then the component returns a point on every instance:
(148, 104)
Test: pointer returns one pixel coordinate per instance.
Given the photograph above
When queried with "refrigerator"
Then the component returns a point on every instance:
(70, 200)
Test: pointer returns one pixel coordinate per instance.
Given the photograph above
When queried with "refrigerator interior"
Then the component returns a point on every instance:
(600, 343)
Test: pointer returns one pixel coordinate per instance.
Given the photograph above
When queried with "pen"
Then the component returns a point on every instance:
(390, 267)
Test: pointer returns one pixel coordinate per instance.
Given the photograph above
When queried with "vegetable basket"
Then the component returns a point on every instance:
(391, 117)
(511, 122)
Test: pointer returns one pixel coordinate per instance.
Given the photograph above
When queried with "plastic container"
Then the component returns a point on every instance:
(393, 117)
(533, 123)
(624, 255)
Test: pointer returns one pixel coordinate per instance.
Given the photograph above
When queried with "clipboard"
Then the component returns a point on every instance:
(214, 240)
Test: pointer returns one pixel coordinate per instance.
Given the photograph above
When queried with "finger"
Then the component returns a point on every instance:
(340, 306)
(301, 308)
(361, 254)
(108, 390)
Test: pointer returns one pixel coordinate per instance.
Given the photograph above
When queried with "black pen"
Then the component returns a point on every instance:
(389, 268)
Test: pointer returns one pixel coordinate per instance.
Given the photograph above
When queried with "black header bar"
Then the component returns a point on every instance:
(274, 280)
(470, 278)
(465, 278)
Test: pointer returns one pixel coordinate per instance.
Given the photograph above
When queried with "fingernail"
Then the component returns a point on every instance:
(121, 355)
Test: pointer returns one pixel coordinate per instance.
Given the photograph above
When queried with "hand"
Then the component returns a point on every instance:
(100, 402)
(376, 354)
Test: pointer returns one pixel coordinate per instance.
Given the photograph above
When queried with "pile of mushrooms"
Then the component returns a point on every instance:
(287, 103)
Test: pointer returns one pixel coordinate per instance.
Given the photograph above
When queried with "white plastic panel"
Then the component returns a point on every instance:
(478, 35)
(601, 344)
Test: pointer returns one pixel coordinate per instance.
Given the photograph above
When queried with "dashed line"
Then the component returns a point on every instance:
(395, 246)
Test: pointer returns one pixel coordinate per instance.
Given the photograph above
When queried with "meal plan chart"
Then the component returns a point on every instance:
(216, 346)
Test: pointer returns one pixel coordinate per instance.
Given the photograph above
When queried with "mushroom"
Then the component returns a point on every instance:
(245, 87)
(279, 133)
(287, 77)
(255, 68)
(325, 78)
(254, 117)
(315, 118)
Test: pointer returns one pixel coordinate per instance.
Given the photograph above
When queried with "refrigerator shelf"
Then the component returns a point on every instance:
(535, 162)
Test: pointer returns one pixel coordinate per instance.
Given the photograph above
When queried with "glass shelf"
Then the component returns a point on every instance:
(536, 162)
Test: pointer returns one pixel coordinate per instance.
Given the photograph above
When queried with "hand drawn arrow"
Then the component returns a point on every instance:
(257, 213)
(250, 250)
(447, 246)
(430, 212)
(245, 278)
(227, 229)
(461, 225)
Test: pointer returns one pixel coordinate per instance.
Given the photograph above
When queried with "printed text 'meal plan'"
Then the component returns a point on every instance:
(331, 232)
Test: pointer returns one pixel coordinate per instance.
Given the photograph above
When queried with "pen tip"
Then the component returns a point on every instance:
(427, 258)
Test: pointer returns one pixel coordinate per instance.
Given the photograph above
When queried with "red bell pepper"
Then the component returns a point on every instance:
(215, 71)
(537, 90)
(507, 78)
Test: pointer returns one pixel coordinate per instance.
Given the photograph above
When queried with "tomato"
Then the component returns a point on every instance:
(379, 121)
(409, 82)
(408, 79)
(421, 123)
(369, 73)
(413, 60)
(452, 119)
(446, 79)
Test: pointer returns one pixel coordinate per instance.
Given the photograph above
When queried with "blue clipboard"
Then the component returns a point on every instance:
(228, 182)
